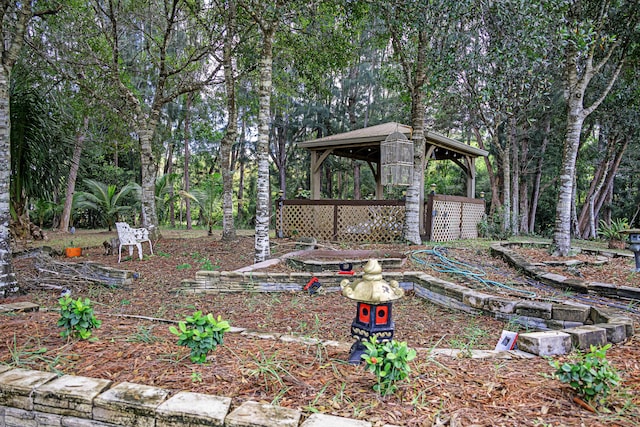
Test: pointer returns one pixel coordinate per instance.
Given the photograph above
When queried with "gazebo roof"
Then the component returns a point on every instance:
(364, 144)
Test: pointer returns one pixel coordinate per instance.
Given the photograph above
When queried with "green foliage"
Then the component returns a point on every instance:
(613, 231)
(590, 375)
(105, 200)
(493, 227)
(41, 135)
(389, 361)
(77, 318)
(201, 333)
(208, 197)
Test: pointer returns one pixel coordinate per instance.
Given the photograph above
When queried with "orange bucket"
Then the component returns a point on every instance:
(72, 252)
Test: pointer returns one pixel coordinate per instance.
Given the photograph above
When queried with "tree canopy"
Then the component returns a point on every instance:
(549, 88)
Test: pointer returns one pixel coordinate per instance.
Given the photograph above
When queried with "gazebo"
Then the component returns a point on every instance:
(365, 144)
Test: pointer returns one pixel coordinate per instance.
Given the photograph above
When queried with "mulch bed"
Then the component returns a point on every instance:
(441, 391)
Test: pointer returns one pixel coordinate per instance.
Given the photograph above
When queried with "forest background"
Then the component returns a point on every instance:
(175, 112)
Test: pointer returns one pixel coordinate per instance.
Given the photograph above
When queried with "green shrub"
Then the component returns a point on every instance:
(200, 334)
(389, 361)
(77, 318)
(590, 375)
(492, 226)
(613, 231)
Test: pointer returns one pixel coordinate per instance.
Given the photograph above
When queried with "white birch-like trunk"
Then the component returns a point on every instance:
(515, 182)
(415, 192)
(262, 246)
(228, 227)
(562, 231)
(412, 203)
(187, 182)
(8, 281)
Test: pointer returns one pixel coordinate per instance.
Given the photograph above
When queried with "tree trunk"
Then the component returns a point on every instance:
(262, 245)
(504, 156)
(536, 185)
(562, 231)
(416, 82)
(412, 203)
(168, 170)
(493, 182)
(515, 178)
(228, 227)
(149, 171)
(611, 174)
(187, 181)
(8, 281)
(604, 175)
(16, 16)
(579, 71)
(240, 159)
(356, 180)
(73, 174)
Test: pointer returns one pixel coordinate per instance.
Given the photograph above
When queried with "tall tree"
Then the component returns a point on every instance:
(187, 138)
(14, 21)
(137, 56)
(420, 33)
(73, 174)
(597, 38)
(268, 16)
(231, 134)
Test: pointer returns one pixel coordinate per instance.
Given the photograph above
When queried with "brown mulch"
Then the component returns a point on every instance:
(442, 390)
(617, 270)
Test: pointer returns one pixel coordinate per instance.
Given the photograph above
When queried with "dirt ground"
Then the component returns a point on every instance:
(441, 390)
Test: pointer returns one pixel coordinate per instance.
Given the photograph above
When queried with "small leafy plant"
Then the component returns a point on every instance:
(590, 375)
(200, 333)
(389, 361)
(77, 317)
(613, 231)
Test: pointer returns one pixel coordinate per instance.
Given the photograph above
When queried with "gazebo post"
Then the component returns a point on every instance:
(315, 175)
(317, 158)
(471, 177)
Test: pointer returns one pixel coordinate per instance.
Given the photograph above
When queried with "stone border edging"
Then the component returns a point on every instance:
(501, 249)
(42, 399)
(571, 324)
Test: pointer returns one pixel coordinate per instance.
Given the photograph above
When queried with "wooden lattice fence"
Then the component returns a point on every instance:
(363, 221)
(357, 221)
(452, 217)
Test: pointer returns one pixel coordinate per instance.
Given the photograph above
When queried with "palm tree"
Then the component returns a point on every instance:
(164, 194)
(106, 200)
(208, 197)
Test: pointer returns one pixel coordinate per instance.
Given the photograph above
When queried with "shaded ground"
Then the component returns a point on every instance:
(442, 391)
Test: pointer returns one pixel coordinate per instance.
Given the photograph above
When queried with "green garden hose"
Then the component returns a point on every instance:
(455, 267)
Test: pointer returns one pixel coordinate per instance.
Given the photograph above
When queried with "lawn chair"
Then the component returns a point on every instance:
(132, 237)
